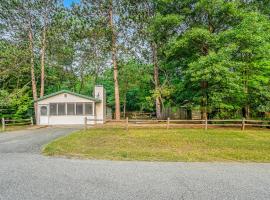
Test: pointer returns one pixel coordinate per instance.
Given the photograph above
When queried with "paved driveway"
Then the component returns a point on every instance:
(25, 174)
(30, 141)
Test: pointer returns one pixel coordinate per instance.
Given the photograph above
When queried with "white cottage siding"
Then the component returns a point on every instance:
(67, 97)
(68, 120)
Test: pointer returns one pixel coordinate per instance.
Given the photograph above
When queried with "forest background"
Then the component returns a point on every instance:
(210, 55)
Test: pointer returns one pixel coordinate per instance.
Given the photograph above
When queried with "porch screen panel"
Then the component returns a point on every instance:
(89, 108)
(61, 109)
(53, 109)
(79, 109)
(71, 109)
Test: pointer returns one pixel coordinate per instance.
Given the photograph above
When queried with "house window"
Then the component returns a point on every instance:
(43, 111)
(53, 108)
(79, 109)
(70, 109)
(61, 109)
(88, 109)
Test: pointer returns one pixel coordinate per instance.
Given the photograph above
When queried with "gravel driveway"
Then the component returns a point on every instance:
(25, 174)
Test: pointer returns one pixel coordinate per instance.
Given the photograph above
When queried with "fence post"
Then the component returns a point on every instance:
(85, 123)
(3, 124)
(168, 123)
(206, 124)
(127, 123)
(243, 124)
(32, 121)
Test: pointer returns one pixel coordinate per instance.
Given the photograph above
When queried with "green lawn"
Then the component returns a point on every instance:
(165, 145)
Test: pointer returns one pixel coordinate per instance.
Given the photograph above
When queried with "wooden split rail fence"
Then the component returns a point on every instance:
(169, 123)
(16, 122)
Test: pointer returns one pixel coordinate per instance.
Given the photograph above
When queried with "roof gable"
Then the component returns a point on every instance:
(68, 92)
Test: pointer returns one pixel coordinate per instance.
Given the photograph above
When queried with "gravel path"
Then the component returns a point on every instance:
(25, 174)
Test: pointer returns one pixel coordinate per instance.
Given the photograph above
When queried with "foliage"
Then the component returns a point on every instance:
(15, 105)
(211, 54)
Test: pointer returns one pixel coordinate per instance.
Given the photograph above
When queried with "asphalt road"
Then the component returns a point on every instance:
(25, 174)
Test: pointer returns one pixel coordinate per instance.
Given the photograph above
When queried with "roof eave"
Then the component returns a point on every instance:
(69, 92)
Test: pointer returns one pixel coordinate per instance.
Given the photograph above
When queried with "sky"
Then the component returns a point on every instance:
(68, 3)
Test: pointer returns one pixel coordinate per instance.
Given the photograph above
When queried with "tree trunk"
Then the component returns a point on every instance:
(156, 79)
(246, 108)
(81, 84)
(33, 79)
(42, 62)
(125, 105)
(115, 67)
(204, 101)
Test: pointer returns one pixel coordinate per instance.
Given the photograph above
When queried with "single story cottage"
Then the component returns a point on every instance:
(70, 108)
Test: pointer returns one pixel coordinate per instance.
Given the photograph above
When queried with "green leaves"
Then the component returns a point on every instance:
(226, 47)
(194, 41)
(224, 44)
(16, 104)
(217, 70)
(164, 26)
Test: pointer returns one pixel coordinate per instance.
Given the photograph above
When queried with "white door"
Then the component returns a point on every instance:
(43, 115)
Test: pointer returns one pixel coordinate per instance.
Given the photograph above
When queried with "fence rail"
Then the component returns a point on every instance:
(15, 122)
(198, 123)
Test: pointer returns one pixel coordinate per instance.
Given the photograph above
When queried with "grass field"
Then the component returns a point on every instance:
(165, 145)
